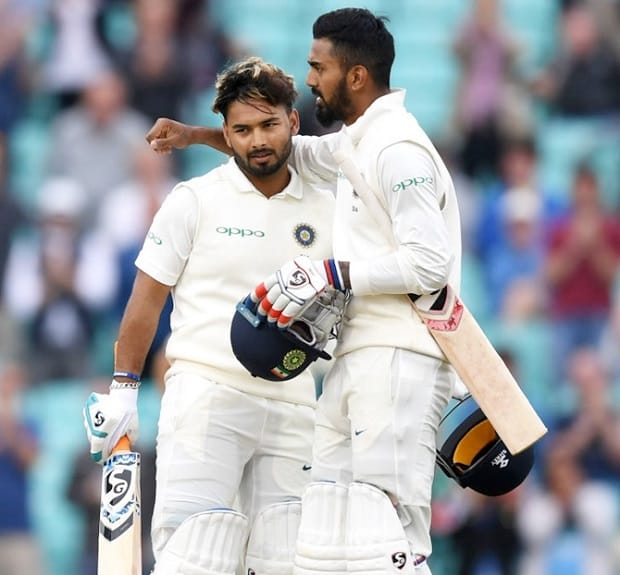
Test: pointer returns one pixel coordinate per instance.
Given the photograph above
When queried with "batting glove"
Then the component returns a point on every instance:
(285, 294)
(107, 417)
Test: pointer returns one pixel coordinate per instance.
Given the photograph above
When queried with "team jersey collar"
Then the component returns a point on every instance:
(385, 104)
(241, 182)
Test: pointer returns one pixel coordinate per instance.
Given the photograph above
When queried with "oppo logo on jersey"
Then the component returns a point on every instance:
(244, 233)
(415, 181)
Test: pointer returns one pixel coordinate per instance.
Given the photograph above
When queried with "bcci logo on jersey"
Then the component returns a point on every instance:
(305, 235)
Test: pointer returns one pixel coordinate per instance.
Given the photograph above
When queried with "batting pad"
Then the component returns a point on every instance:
(320, 540)
(271, 547)
(207, 543)
(376, 543)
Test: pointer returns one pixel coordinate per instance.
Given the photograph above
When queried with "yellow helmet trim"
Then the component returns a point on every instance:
(474, 442)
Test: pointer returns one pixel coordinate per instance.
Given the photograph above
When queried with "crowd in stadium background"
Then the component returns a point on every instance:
(522, 97)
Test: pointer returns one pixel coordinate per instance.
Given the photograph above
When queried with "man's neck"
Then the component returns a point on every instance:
(270, 185)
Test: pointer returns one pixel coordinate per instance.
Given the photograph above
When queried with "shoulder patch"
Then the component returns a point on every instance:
(305, 235)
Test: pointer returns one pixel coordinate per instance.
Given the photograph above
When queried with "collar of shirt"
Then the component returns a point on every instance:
(388, 103)
(241, 182)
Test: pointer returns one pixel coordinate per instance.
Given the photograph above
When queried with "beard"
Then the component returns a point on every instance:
(265, 168)
(337, 110)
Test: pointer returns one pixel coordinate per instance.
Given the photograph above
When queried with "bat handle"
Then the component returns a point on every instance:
(123, 444)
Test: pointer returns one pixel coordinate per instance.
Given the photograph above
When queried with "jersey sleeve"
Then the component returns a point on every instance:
(312, 157)
(169, 241)
(423, 258)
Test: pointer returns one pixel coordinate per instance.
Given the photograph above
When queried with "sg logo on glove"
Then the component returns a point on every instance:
(98, 420)
(298, 278)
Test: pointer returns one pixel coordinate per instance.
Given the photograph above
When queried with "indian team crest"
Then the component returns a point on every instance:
(305, 235)
(293, 359)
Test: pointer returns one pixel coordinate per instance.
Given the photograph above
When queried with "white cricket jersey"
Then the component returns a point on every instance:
(406, 173)
(213, 239)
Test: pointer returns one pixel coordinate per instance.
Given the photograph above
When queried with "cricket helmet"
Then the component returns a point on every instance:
(475, 457)
(282, 354)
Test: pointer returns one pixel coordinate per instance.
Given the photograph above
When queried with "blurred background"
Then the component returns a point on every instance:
(521, 97)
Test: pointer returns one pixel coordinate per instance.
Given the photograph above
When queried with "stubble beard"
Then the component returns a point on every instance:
(266, 169)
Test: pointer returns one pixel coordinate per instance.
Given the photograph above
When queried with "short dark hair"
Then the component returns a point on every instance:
(253, 79)
(359, 38)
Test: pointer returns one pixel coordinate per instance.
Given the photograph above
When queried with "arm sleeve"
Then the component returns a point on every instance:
(170, 238)
(423, 258)
(312, 157)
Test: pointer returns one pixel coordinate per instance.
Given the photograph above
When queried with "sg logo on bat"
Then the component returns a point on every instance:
(120, 498)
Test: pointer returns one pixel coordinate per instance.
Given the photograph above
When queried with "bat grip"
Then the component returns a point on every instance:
(123, 444)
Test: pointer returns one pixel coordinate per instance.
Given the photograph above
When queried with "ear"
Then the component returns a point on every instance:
(225, 134)
(358, 77)
(293, 118)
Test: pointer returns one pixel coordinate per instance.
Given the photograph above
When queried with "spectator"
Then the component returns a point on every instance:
(580, 267)
(487, 54)
(17, 19)
(153, 64)
(19, 549)
(77, 55)
(125, 217)
(572, 527)
(568, 526)
(518, 170)
(206, 48)
(590, 436)
(93, 141)
(610, 342)
(127, 210)
(487, 540)
(12, 215)
(583, 80)
(58, 280)
(514, 268)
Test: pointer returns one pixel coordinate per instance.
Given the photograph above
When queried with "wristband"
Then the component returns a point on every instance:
(124, 385)
(333, 274)
(127, 374)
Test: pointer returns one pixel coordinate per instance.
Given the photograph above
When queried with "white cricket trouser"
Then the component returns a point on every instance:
(216, 443)
(376, 422)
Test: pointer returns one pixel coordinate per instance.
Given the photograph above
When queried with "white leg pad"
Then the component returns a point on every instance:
(271, 546)
(376, 543)
(207, 543)
(320, 541)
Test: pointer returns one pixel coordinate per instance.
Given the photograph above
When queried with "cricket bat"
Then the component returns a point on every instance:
(464, 344)
(120, 541)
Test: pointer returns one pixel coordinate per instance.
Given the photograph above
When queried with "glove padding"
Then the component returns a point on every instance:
(287, 292)
(107, 417)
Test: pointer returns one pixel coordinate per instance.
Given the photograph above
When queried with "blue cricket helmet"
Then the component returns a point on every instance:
(271, 353)
(475, 457)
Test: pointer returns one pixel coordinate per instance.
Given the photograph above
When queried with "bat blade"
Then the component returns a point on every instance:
(483, 371)
(120, 551)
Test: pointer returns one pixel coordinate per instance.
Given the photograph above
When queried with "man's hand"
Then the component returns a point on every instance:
(107, 417)
(286, 293)
(166, 134)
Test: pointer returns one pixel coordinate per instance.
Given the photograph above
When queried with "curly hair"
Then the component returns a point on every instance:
(254, 79)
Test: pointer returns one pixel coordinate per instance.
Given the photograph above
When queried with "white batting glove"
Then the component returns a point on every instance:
(285, 294)
(107, 417)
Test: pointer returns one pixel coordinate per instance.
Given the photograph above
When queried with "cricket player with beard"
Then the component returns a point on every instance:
(222, 434)
(368, 508)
